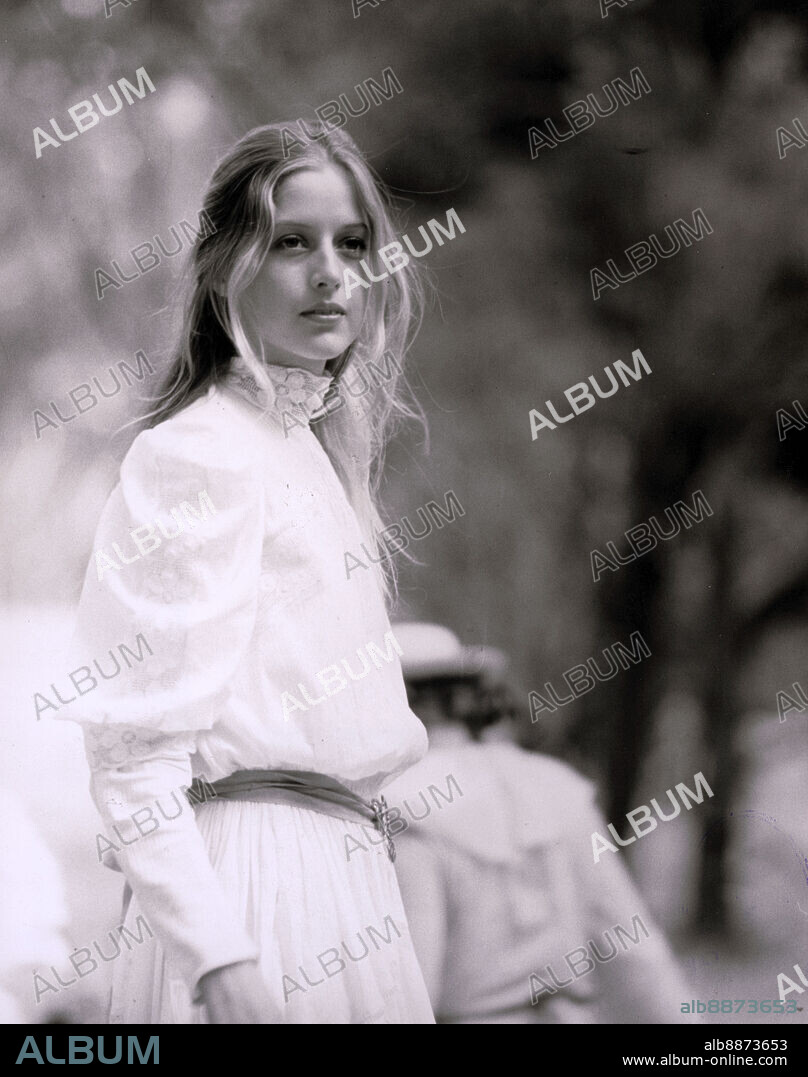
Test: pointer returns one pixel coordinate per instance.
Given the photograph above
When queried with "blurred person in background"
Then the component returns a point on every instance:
(34, 917)
(497, 873)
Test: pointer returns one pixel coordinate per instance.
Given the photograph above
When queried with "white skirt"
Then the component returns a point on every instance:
(326, 916)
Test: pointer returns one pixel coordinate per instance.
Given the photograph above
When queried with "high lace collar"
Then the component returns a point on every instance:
(298, 392)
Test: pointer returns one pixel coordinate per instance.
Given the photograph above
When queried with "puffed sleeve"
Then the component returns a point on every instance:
(166, 612)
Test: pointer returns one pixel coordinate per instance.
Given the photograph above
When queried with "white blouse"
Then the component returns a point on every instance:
(223, 633)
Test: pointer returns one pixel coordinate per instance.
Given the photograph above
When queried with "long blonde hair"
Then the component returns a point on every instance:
(240, 210)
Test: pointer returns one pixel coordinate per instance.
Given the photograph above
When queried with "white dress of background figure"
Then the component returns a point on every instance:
(241, 611)
(499, 883)
(33, 914)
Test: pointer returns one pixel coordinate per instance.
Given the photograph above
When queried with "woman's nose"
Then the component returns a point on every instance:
(326, 272)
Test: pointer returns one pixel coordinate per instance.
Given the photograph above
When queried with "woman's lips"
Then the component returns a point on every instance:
(323, 317)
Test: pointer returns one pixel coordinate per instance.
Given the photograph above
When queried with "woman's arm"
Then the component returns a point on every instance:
(184, 606)
(164, 859)
(236, 995)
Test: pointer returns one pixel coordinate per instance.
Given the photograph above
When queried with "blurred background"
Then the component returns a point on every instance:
(512, 324)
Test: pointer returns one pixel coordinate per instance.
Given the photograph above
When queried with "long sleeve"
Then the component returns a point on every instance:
(643, 984)
(169, 602)
(157, 843)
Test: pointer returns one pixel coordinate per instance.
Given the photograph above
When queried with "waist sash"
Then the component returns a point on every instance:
(301, 789)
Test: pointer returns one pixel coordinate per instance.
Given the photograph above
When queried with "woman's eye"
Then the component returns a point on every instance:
(354, 245)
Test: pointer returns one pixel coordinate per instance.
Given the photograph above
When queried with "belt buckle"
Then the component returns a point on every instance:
(380, 810)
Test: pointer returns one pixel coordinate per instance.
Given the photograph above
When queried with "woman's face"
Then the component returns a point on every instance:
(296, 305)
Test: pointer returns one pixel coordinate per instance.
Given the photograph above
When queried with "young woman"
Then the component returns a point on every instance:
(242, 651)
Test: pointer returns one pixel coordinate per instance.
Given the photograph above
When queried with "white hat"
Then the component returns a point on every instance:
(430, 650)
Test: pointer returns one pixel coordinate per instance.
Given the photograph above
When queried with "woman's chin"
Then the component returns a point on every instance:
(327, 351)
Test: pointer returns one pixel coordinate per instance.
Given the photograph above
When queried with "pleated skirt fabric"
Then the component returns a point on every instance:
(324, 908)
